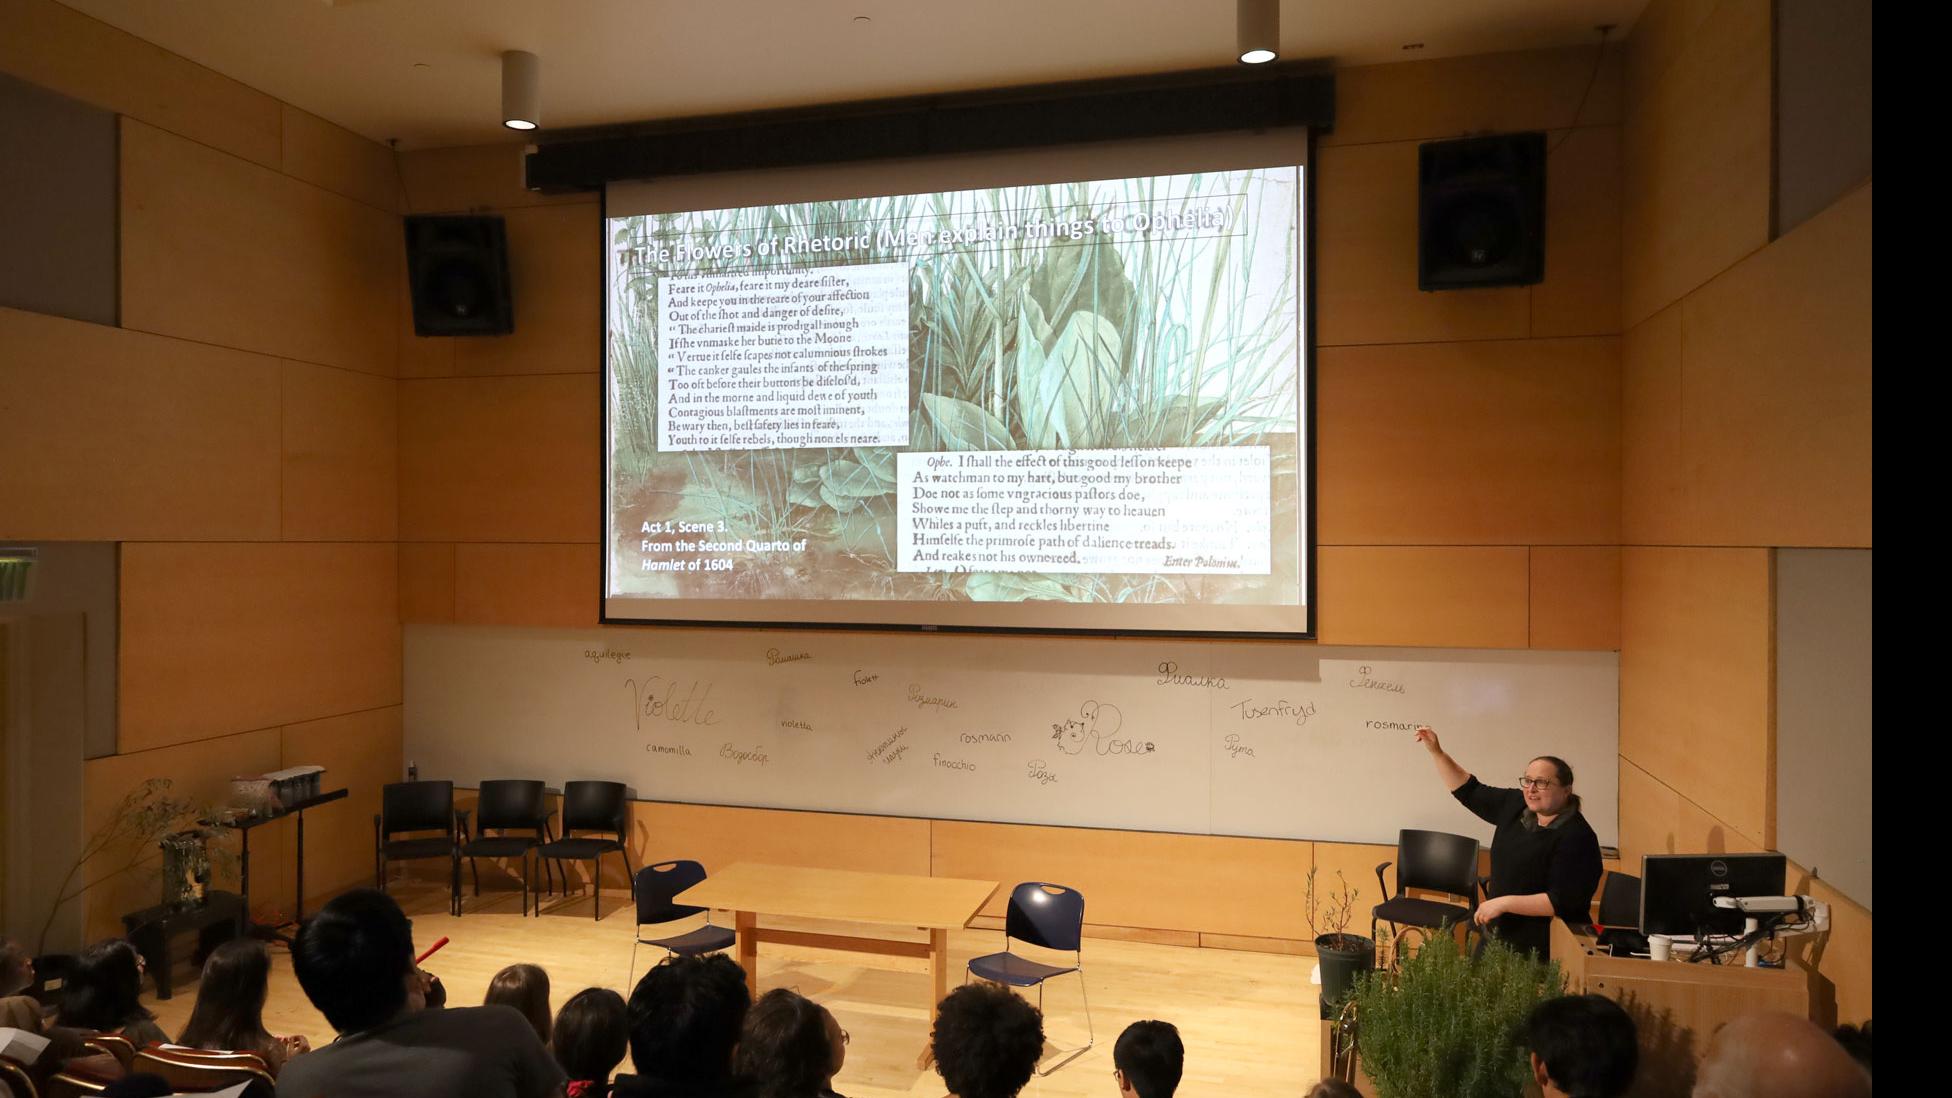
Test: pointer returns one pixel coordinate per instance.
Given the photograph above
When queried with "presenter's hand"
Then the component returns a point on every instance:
(1489, 910)
(1427, 736)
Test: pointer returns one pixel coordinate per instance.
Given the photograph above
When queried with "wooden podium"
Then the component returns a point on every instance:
(1677, 1006)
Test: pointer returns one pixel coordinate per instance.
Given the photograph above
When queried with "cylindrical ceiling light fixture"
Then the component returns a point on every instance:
(1258, 25)
(522, 90)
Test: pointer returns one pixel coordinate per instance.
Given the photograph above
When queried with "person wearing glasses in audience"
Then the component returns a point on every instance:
(1545, 857)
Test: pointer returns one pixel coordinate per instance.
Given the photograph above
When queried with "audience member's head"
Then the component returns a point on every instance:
(1857, 1041)
(685, 1016)
(1148, 1059)
(986, 1041)
(230, 998)
(1333, 1088)
(1778, 1056)
(591, 1033)
(103, 990)
(1582, 1046)
(16, 967)
(526, 988)
(355, 960)
(791, 1046)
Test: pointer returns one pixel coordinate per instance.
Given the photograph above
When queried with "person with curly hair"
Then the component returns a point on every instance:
(685, 1018)
(986, 1041)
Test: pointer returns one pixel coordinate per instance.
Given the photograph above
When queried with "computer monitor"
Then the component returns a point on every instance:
(1677, 891)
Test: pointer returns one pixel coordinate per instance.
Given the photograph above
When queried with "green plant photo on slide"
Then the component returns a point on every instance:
(1126, 353)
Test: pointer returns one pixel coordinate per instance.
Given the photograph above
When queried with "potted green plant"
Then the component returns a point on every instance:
(1342, 955)
(1446, 1022)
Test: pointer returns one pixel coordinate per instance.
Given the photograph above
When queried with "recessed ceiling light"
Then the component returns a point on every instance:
(1413, 45)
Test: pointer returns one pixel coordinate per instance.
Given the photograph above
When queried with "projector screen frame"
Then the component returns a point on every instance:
(1309, 608)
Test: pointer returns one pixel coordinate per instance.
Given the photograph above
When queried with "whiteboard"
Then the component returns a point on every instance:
(1278, 740)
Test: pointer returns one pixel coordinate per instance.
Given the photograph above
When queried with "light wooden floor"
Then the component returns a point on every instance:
(1248, 1019)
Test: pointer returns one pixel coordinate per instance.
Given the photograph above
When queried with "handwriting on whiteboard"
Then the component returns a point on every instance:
(1095, 729)
(1364, 681)
(674, 700)
(1170, 675)
(1249, 709)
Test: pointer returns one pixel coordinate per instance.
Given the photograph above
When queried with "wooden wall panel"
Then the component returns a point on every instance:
(1575, 597)
(1581, 291)
(1697, 173)
(200, 773)
(89, 457)
(471, 177)
(226, 252)
(500, 459)
(1366, 259)
(1655, 506)
(1484, 443)
(1135, 878)
(1443, 597)
(426, 582)
(1662, 33)
(555, 263)
(1776, 366)
(52, 45)
(1696, 686)
(536, 585)
(1484, 93)
(339, 160)
(219, 638)
(341, 460)
(718, 836)
(1650, 816)
(361, 752)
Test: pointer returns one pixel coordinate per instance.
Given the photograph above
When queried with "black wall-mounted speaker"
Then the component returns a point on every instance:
(1481, 212)
(457, 272)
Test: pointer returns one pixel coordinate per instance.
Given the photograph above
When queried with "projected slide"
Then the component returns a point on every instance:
(1066, 406)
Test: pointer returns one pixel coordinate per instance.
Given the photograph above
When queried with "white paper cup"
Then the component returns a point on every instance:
(1660, 947)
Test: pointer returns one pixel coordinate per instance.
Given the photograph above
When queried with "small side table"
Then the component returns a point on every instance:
(244, 826)
(220, 919)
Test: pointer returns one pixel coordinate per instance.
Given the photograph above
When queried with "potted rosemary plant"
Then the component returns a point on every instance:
(1446, 1022)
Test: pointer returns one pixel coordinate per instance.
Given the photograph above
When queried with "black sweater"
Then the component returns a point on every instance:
(1562, 861)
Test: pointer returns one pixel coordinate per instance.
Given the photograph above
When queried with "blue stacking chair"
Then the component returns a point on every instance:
(657, 885)
(1048, 916)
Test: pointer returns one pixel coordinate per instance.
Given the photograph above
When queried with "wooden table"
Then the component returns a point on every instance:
(244, 825)
(935, 904)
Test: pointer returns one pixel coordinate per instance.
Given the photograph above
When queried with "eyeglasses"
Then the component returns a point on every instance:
(1536, 783)
(845, 1037)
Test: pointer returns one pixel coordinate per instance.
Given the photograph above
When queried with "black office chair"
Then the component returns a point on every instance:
(508, 805)
(657, 889)
(1050, 917)
(1428, 861)
(1618, 923)
(418, 806)
(600, 807)
(1620, 901)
